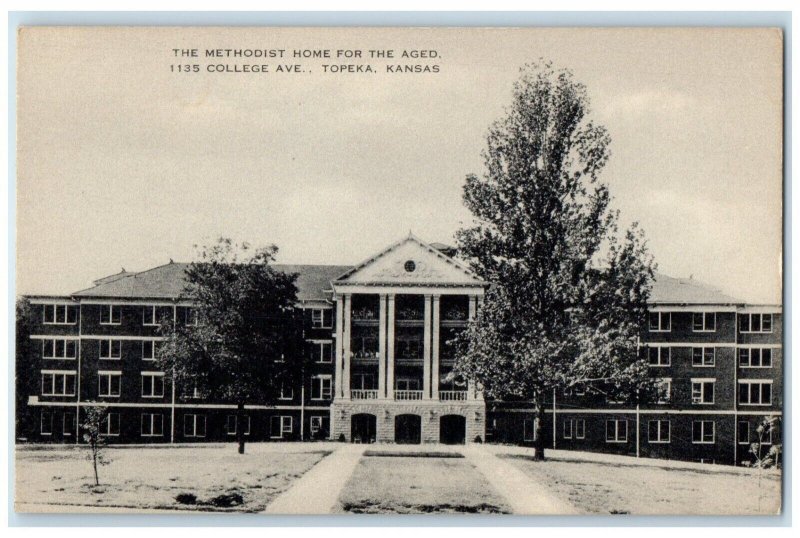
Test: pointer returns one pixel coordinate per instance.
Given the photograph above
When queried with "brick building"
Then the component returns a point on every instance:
(376, 334)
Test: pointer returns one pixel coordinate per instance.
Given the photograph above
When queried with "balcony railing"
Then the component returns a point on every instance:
(363, 394)
(408, 395)
(452, 395)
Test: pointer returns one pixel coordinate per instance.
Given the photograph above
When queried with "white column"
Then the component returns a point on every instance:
(382, 347)
(472, 312)
(346, 358)
(390, 346)
(337, 379)
(426, 356)
(435, 349)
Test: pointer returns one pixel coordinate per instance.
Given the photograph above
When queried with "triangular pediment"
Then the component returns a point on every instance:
(411, 262)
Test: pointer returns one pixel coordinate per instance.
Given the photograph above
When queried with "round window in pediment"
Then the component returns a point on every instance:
(410, 266)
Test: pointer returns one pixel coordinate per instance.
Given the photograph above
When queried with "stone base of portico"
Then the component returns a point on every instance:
(430, 413)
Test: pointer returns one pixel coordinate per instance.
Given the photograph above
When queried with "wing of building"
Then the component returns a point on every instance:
(376, 332)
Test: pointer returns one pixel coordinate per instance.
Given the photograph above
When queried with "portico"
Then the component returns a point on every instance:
(395, 314)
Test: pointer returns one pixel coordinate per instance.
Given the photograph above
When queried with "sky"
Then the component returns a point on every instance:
(125, 163)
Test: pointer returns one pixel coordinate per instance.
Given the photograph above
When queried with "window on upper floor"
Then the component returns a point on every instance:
(152, 384)
(287, 391)
(755, 358)
(111, 349)
(659, 355)
(322, 352)
(660, 322)
(704, 322)
(59, 348)
(703, 391)
(110, 314)
(150, 349)
(59, 314)
(109, 383)
(152, 315)
(321, 387)
(664, 390)
(321, 318)
(191, 317)
(755, 323)
(755, 392)
(703, 357)
(58, 382)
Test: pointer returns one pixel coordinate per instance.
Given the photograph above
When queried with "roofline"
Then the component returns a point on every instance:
(396, 244)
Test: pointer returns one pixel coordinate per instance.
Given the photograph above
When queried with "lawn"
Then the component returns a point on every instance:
(414, 485)
(647, 487)
(151, 478)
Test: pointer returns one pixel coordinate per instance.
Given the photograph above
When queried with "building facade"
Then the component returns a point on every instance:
(377, 337)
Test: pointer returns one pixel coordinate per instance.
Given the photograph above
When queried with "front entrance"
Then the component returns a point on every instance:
(453, 430)
(407, 429)
(363, 428)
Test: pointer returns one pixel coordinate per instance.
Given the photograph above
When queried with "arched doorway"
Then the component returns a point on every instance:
(452, 430)
(407, 429)
(362, 428)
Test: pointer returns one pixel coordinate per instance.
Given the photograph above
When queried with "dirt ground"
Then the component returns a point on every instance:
(153, 477)
(406, 485)
(645, 488)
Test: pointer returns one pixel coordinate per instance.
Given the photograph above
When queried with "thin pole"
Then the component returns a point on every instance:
(554, 418)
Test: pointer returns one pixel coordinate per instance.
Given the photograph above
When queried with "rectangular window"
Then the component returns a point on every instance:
(59, 314)
(567, 429)
(110, 315)
(194, 425)
(703, 432)
(743, 432)
(660, 322)
(659, 356)
(111, 425)
(658, 431)
(321, 387)
(152, 384)
(755, 392)
(321, 318)
(149, 350)
(322, 352)
(703, 357)
(58, 382)
(230, 424)
(152, 316)
(280, 426)
(528, 431)
(704, 322)
(68, 424)
(152, 424)
(703, 391)
(755, 358)
(616, 431)
(191, 317)
(755, 323)
(59, 348)
(287, 392)
(664, 390)
(110, 383)
(46, 423)
(580, 428)
(320, 427)
(111, 349)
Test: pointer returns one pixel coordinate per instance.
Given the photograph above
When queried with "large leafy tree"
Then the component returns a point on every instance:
(568, 294)
(247, 339)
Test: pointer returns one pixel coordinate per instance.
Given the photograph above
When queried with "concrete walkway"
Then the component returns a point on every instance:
(317, 491)
(524, 495)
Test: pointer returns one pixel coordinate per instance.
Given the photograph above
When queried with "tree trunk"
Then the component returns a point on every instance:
(538, 432)
(94, 462)
(240, 427)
